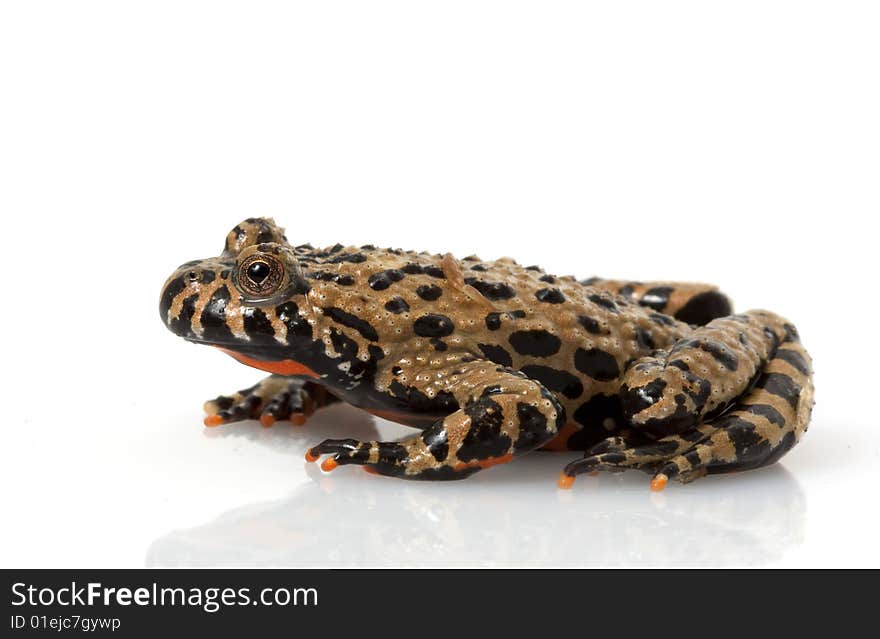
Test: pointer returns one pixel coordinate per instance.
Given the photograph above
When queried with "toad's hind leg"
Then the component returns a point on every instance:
(760, 429)
(756, 429)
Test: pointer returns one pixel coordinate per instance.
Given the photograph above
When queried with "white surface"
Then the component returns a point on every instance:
(733, 144)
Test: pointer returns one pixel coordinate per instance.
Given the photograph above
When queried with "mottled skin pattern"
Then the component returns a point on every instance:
(493, 360)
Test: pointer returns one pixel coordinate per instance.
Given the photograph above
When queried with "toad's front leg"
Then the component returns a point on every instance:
(275, 398)
(503, 414)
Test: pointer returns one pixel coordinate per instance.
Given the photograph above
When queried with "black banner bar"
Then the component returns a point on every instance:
(401, 602)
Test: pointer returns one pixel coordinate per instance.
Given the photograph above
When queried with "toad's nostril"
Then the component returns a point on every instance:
(192, 276)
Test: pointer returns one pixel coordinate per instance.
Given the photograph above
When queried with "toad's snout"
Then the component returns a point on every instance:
(187, 305)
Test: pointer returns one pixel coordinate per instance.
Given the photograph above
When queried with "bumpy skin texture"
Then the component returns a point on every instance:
(493, 360)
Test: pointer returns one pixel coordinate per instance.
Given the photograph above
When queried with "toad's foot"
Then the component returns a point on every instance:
(274, 398)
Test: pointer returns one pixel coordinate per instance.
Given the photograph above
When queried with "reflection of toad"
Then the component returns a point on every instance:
(353, 521)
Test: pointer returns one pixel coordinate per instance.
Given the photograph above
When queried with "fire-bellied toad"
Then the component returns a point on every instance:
(492, 360)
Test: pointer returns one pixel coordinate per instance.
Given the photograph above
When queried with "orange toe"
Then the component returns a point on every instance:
(213, 420)
(371, 470)
(297, 419)
(312, 458)
(659, 482)
(267, 419)
(565, 481)
(328, 464)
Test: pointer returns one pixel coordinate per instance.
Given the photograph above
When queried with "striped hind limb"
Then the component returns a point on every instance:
(690, 302)
(734, 395)
(760, 428)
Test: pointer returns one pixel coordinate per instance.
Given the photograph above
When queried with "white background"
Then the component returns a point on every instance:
(733, 142)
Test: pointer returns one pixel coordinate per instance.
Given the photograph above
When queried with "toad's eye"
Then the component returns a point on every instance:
(258, 271)
(260, 275)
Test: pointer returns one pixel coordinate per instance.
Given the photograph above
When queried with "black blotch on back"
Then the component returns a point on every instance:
(396, 305)
(550, 296)
(354, 258)
(429, 292)
(327, 276)
(590, 325)
(597, 364)
(555, 380)
(491, 290)
(604, 302)
(645, 338)
(383, 279)
(537, 343)
(662, 320)
(496, 354)
(433, 325)
(703, 308)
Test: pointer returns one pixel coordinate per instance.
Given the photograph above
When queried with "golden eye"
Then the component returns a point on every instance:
(260, 275)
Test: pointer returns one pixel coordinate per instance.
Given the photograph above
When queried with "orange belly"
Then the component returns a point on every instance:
(279, 367)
